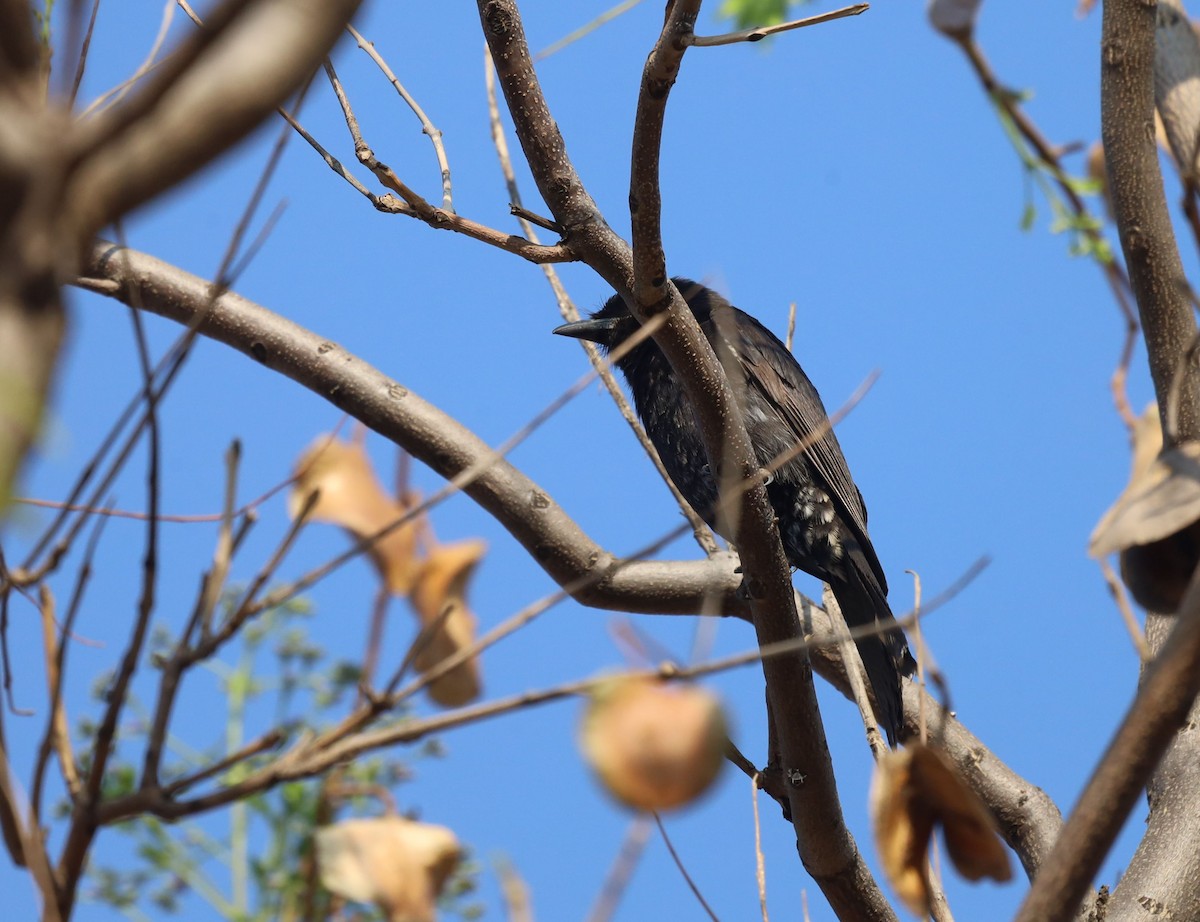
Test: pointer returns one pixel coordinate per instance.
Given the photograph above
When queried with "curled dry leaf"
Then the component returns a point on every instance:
(398, 864)
(439, 597)
(351, 496)
(915, 789)
(1154, 522)
(654, 746)
(953, 18)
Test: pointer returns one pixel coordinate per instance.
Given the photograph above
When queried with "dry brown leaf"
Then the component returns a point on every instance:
(1155, 522)
(903, 827)
(915, 789)
(351, 496)
(439, 597)
(654, 746)
(398, 864)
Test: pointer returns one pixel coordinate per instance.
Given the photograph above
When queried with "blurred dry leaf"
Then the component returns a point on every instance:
(1177, 82)
(398, 864)
(953, 18)
(915, 789)
(351, 496)
(654, 746)
(1154, 522)
(439, 597)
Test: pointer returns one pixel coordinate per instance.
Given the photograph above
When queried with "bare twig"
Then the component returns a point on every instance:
(427, 127)
(374, 642)
(858, 687)
(514, 890)
(58, 729)
(82, 576)
(81, 66)
(1121, 598)
(264, 743)
(760, 869)
(117, 93)
(607, 16)
(1008, 103)
(83, 825)
(415, 206)
(636, 836)
(662, 831)
(761, 32)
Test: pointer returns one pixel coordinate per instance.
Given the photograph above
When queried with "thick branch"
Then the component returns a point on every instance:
(1173, 680)
(826, 846)
(233, 84)
(1140, 206)
(1163, 876)
(547, 532)
(1161, 707)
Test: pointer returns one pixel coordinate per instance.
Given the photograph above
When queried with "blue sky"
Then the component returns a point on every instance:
(856, 169)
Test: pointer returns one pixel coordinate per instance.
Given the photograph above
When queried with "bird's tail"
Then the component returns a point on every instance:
(885, 655)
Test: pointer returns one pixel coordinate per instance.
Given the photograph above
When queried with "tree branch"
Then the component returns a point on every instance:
(239, 76)
(826, 846)
(1163, 876)
(521, 506)
(1173, 680)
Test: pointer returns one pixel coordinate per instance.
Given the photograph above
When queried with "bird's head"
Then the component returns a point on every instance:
(613, 323)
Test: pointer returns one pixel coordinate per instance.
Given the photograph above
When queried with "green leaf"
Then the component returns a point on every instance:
(1028, 216)
(747, 14)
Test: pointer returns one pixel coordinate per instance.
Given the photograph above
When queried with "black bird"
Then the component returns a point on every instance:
(822, 518)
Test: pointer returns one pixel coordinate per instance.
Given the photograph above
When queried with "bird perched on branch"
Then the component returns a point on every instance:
(821, 516)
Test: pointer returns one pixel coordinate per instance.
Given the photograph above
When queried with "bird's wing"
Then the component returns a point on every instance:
(770, 368)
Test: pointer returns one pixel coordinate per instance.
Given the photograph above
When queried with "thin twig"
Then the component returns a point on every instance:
(514, 891)
(374, 643)
(607, 16)
(1121, 598)
(117, 93)
(83, 826)
(517, 211)
(427, 127)
(267, 741)
(58, 728)
(415, 206)
(760, 869)
(1009, 104)
(82, 577)
(662, 830)
(317, 753)
(854, 675)
(759, 33)
(622, 869)
(522, 618)
(81, 66)
(456, 484)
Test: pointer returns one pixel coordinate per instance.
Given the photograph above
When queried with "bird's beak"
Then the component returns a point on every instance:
(596, 331)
